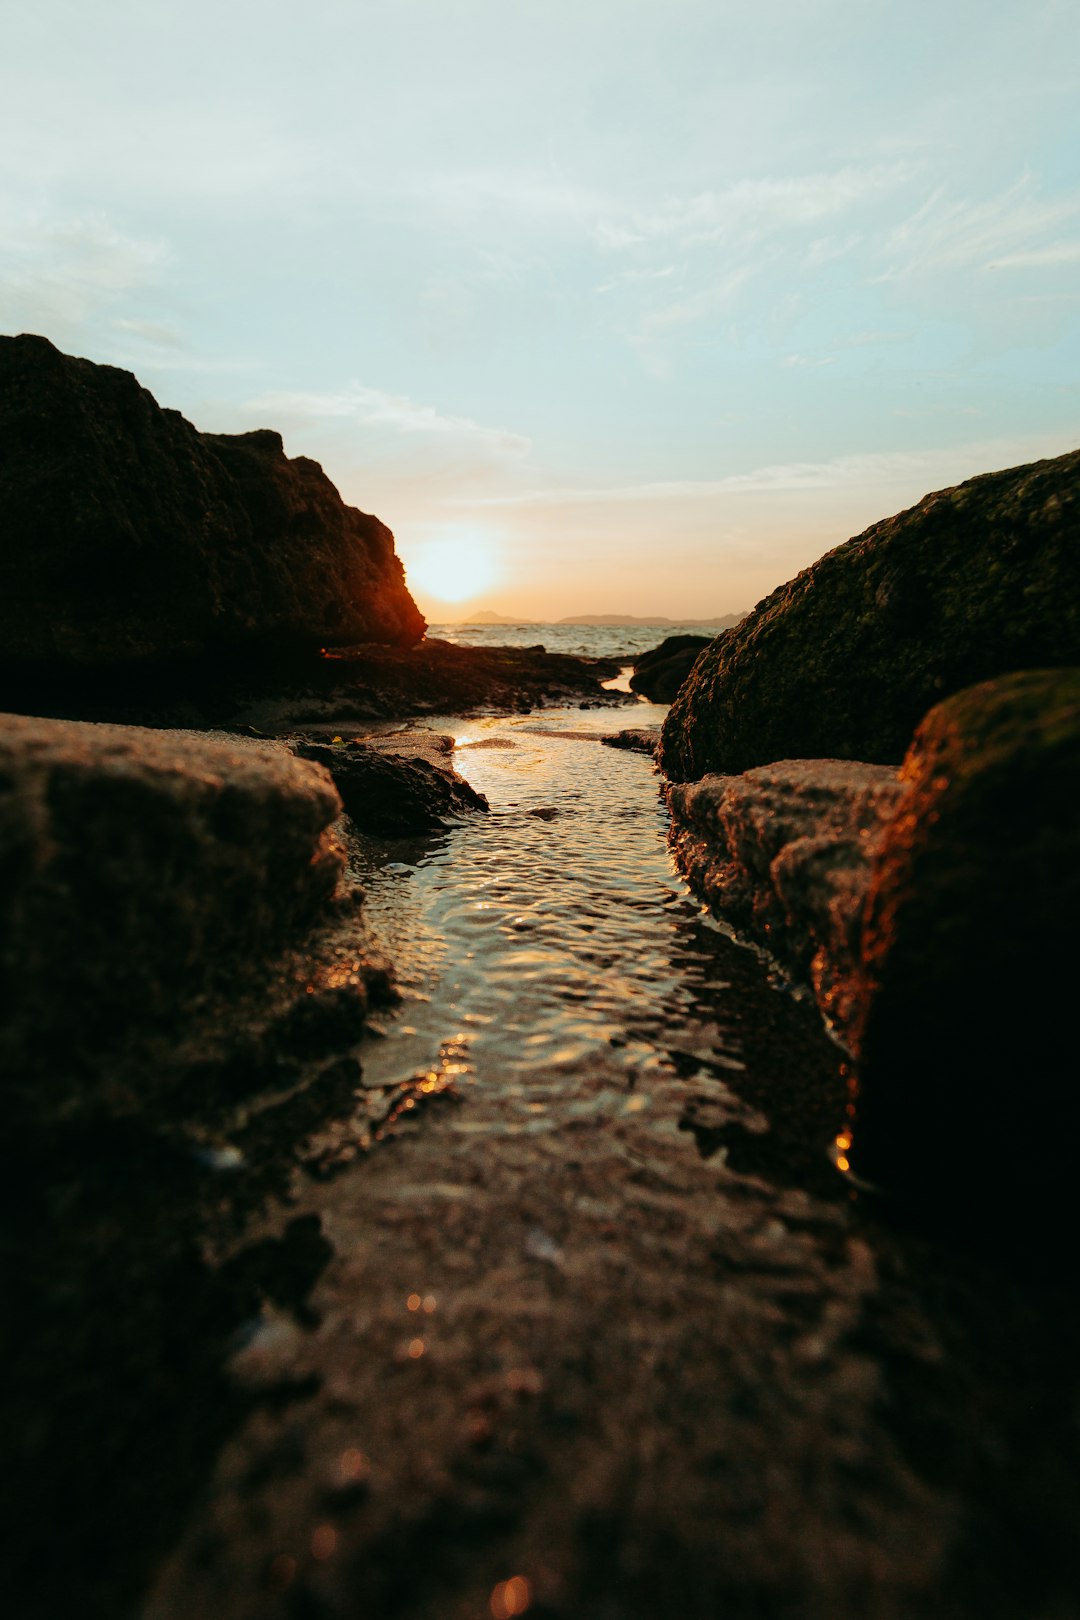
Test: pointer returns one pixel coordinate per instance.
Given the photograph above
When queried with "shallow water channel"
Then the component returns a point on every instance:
(601, 1334)
(544, 950)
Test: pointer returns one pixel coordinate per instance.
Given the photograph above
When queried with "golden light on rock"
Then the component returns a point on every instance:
(323, 1542)
(283, 1571)
(510, 1598)
(353, 1465)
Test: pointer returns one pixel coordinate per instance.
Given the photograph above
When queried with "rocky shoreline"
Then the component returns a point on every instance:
(713, 1383)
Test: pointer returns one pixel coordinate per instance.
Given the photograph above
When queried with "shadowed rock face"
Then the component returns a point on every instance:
(659, 673)
(393, 787)
(966, 1063)
(142, 871)
(783, 854)
(843, 661)
(131, 537)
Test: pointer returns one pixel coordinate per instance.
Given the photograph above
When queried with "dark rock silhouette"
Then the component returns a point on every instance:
(843, 661)
(394, 787)
(659, 673)
(131, 537)
(969, 951)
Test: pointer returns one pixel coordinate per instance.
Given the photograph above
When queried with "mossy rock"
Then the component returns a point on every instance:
(967, 1071)
(844, 660)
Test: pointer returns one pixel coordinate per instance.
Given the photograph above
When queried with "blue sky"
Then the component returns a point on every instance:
(615, 304)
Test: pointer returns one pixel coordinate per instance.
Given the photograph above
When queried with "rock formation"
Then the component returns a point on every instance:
(968, 975)
(143, 872)
(659, 673)
(131, 538)
(398, 786)
(783, 854)
(843, 661)
(932, 910)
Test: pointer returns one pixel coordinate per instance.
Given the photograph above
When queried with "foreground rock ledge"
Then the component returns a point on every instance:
(142, 870)
(783, 853)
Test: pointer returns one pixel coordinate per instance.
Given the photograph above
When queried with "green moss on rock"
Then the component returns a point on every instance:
(843, 661)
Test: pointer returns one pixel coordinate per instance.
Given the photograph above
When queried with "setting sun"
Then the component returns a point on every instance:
(453, 565)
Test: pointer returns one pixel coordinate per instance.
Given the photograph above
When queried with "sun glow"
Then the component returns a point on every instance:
(453, 565)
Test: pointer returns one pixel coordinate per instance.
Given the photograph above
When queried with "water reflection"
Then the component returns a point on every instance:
(561, 946)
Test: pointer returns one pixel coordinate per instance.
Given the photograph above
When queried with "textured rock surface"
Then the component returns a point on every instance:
(140, 871)
(638, 739)
(844, 661)
(966, 1051)
(783, 853)
(659, 673)
(129, 536)
(392, 786)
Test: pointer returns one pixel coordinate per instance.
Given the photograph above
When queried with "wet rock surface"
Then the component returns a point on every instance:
(783, 853)
(969, 952)
(659, 673)
(639, 739)
(132, 539)
(844, 660)
(387, 786)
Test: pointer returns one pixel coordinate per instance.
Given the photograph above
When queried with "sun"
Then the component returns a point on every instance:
(452, 566)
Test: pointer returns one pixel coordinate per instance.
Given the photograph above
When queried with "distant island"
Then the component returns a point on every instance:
(723, 622)
(487, 616)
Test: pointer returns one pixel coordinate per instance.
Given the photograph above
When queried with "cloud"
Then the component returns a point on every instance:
(152, 332)
(627, 278)
(873, 468)
(372, 407)
(541, 197)
(750, 209)
(1006, 230)
(1039, 258)
(718, 295)
(57, 273)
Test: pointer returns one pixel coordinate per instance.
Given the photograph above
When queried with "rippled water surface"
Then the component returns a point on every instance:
(548, 950)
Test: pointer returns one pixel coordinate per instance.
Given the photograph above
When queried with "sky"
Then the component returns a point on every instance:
(602, 305)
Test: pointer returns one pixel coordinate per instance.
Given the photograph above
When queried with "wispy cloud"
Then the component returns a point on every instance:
(717, 295)
(754, 208)
(372, 407)
(878, 468)
(1045, 258)
(152, 332)
(57, 272)
(629, 278)
(1008, 229)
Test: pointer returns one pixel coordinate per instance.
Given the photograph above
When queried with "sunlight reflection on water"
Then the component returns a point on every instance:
(564, 945)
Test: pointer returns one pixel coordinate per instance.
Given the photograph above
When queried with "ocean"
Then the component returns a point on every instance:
(622, 641)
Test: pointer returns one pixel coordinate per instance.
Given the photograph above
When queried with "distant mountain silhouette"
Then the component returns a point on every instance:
(486, 616)
(723, 622)
(489, 616)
